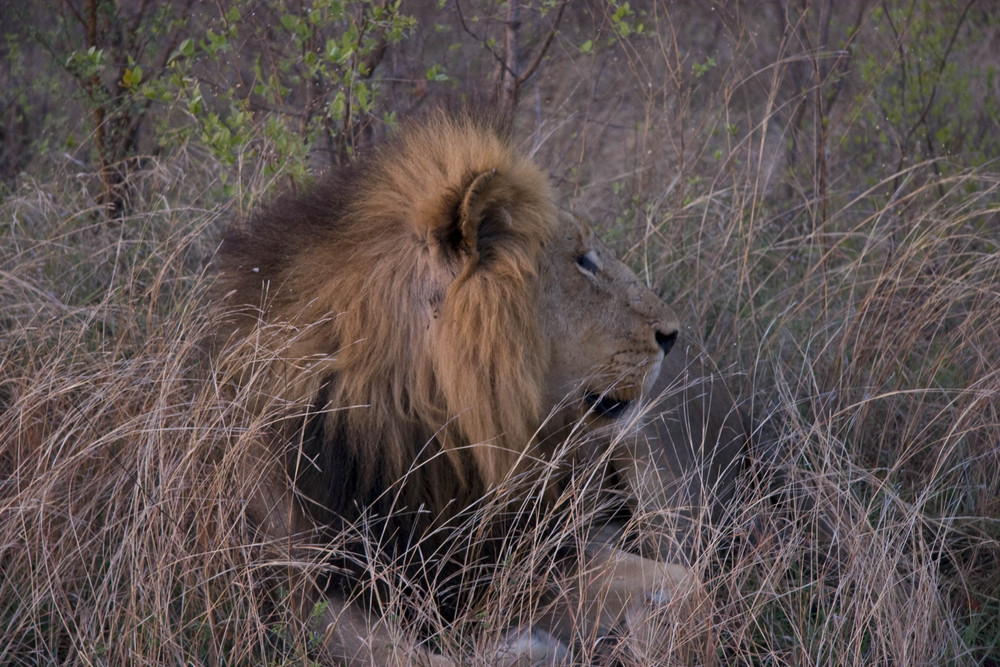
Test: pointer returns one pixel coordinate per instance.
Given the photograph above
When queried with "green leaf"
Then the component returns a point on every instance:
(436, 73)
(132, 77)
(184, 50)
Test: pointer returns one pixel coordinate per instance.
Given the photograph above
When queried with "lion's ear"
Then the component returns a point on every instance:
(483, 212)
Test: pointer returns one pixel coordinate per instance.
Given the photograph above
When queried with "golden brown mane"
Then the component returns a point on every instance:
(386, 396)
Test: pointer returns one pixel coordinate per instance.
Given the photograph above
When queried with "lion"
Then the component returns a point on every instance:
(421, 330)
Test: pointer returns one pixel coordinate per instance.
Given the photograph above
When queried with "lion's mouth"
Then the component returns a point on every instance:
(606, 406)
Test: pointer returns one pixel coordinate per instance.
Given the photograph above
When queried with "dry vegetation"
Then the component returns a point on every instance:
(827, 221)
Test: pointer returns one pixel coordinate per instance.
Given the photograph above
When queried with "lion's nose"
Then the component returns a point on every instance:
(666, 339)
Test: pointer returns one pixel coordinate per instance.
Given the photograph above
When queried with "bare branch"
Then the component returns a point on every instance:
(461, 19)
(510, 77)
(530, 70)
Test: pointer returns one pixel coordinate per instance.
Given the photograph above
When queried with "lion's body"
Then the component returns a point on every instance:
(419, 329)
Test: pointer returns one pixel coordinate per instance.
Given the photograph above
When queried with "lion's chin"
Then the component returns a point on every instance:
(607, 407)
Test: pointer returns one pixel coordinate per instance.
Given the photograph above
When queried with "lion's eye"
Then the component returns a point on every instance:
(587, 263)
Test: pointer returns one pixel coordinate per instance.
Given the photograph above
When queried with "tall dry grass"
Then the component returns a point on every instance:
(867, 536)
(858, 322)
(123, 540)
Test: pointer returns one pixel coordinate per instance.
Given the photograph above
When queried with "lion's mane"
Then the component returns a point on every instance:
(332, 293)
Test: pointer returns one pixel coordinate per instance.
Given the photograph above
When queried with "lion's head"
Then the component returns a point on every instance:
(607, 332)
(433, 309)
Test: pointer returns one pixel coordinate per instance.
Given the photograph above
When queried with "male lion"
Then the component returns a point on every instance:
(420, 330)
